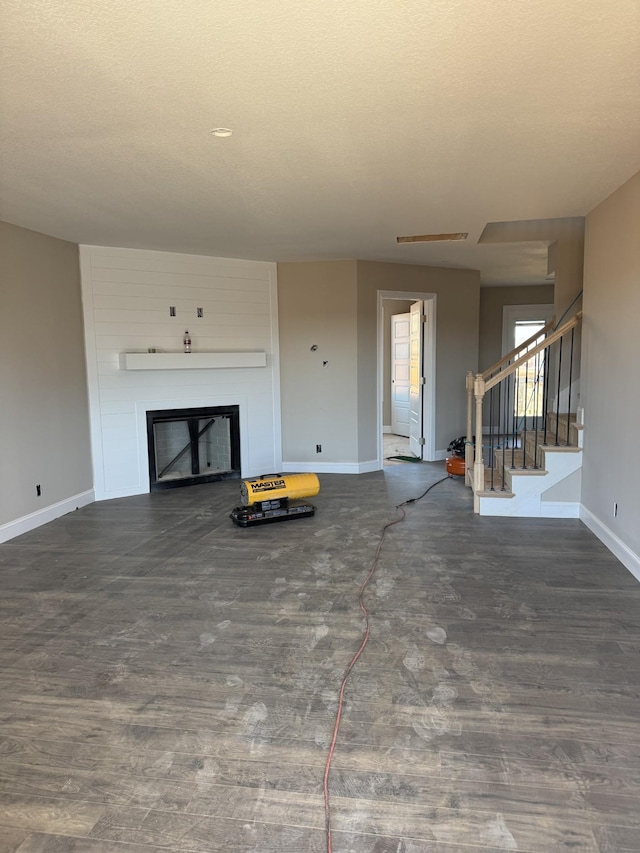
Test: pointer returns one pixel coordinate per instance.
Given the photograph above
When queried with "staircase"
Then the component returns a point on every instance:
(524, 463)
(541, 480)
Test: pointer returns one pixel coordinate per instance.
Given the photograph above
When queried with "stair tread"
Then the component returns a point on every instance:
(563, 416)
(497, 491)
(554, 448)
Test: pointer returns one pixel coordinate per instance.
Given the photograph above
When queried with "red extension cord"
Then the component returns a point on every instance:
(354, 659)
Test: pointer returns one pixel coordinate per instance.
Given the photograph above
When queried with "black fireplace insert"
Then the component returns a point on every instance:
(191, 446)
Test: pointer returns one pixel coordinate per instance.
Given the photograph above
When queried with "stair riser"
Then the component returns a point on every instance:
(550, 437)
(527, 488)
(531, 465)
(565, 429)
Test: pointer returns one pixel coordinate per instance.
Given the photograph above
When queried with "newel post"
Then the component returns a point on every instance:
(478, 466)
(468, 447)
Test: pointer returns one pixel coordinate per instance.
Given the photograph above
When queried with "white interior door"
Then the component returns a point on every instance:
(416, 379)
(400, 352)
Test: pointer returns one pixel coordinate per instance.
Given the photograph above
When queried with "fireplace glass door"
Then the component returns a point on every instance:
(188, 446)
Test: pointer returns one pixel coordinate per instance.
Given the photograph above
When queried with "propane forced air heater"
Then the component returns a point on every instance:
(275, 497)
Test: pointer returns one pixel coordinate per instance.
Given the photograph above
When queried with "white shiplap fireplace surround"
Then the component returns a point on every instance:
(127, 296)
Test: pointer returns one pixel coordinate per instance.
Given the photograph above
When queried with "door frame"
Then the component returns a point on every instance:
(417, 379)
(511, 314)
(429, 357)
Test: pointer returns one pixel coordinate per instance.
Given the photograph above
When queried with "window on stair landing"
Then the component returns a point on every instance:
(529, 378)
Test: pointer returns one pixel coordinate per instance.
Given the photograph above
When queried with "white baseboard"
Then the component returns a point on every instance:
(559, 509)
(440, 456)
(330, 467)
(386, 429)
(43, 516)
(121, 493)
(629, 559)
(368, 467)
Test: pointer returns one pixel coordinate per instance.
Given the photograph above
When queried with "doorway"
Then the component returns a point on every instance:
(413, 391)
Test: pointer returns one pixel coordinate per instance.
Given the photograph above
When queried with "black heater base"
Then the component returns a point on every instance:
(268, 512)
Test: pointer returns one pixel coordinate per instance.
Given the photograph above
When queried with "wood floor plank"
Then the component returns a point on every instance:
(369, 770)
(47, 843)
(616, 839)
(48, 813)
(11, 838)
(387, 793)
(185, 831)
(265, 839)
(169, 681)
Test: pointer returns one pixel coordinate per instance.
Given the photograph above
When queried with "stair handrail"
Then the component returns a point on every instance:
(523, 346)
(470, 385)
(529, 354)
(478, 385)
(552, 324)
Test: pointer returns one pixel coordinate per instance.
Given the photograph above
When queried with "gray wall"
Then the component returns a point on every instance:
(611, 362)
(317, 306)
(492, 301)
(334, 305)
(44, 429)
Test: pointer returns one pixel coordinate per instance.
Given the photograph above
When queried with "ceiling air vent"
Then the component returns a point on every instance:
(433, 238)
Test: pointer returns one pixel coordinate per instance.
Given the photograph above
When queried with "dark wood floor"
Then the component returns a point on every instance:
(168, 681)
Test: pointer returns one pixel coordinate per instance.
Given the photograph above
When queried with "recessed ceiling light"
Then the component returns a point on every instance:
(221, 131)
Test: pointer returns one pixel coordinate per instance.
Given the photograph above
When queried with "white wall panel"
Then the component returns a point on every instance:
(215, 331)
(232, 293)
(172, 263)
(126, 298)
(150, 302)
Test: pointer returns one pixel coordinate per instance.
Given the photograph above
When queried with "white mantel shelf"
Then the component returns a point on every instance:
(190, 361)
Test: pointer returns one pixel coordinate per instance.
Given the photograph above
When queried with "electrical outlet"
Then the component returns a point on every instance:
(318, 448)
(38, 491)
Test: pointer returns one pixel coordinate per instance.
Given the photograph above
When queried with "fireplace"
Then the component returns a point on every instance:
(190, 446)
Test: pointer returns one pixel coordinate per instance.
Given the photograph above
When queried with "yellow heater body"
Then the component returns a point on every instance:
(278, 486)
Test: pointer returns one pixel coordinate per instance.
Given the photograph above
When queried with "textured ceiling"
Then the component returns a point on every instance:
(353, 123)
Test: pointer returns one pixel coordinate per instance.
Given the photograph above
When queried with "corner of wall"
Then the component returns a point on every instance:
(629, 559)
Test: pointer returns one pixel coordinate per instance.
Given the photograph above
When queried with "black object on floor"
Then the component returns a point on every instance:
(266, 512)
